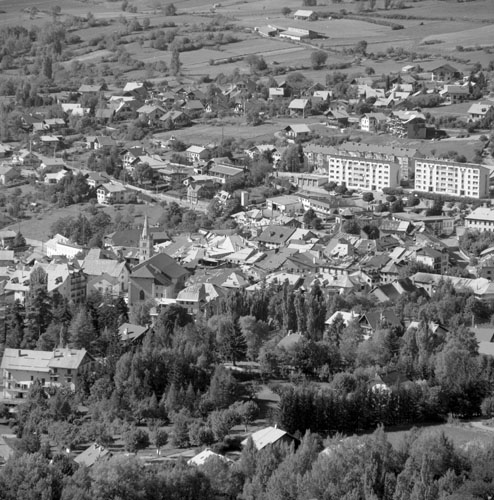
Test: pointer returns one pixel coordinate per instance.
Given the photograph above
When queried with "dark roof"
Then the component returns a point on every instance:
(374, 318)
(92, 455)
(276, 234)
(161, 267)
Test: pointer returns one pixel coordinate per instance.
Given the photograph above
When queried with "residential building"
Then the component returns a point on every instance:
(196, 153)
(372, 122)
(432, 258)
(113, 192)
(455, 93)
(445, 73)
(408, 124)
(362, 173)
(195, 297)
(61, 246)
(299, 106)
(305, 15)
(95, 453)
(454, 178)
(478, 110)
(269, 436)
(226, 173)
(297, 131)
(275, 236)
(481, 219)
(7, 174)
(22, 367)
(68, 280)
(110, 268)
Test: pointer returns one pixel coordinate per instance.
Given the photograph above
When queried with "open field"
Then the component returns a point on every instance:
(462, 435)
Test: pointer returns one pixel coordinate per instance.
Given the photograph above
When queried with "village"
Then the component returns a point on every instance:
(274, 280)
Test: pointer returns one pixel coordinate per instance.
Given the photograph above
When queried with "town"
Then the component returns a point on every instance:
(273, 280)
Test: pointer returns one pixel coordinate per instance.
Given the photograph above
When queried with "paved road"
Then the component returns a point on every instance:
(201, 206)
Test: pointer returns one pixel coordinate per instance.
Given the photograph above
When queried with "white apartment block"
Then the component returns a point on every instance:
(363, 173)
(481, 219)
(453, 178)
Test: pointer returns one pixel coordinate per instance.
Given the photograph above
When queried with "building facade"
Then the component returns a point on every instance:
(447, 177)
(363, 173)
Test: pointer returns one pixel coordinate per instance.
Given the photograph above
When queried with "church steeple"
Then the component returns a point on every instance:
(146, 242)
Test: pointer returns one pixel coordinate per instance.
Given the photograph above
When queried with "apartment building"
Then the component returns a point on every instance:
(363, 173)
(318, 156)
(453, 178)
(21, 367)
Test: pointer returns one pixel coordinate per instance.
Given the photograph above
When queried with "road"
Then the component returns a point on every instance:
(200, 206)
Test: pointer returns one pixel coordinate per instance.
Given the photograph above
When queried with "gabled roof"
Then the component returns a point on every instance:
(298, 128)
(276, 234)
(92, 455)
(159, 265)
(299, 104)
(267, 436)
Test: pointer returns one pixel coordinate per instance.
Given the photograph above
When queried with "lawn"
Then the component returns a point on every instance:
(461, 435)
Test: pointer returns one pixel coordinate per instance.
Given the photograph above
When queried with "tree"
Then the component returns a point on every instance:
(368, 197)
(19, 240)
(135, 439)
(361, 47)
(82, 334)
(318, 58)
(285, 11)
(170, 10)
(175, 62)
(160, 439)
(223, 389)
(230, 340)
(292, 158)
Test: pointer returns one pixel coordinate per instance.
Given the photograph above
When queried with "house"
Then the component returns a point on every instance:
(205, 455)
(95, 453)
(445, 73)
(455, 93)
(94, 179)
(7, 174)
(372, 122)
(297, 131)
(91, 89)
(111, 193)
(136, 90)
(195, 297)
(408, 124)
(194, 108)
(176, 119)
(75, 109)
(373, 320)
(337, 118)
(226, 173)
(299, 106)
(150, 112)
(321, 96)
(22, 367)
(97, 267)
(104, 114)
(275, 236)
(157, 278)
(196, 153)
(102, 142)
(61, 246)
(478, 110)
(432, 258)
(132, 334)
(269, 436)
(55, 177)
(276, 92)
(305, 15)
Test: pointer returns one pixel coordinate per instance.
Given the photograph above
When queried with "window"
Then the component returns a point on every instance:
(141, 295)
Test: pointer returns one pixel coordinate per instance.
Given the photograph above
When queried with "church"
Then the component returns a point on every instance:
(157, 276)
